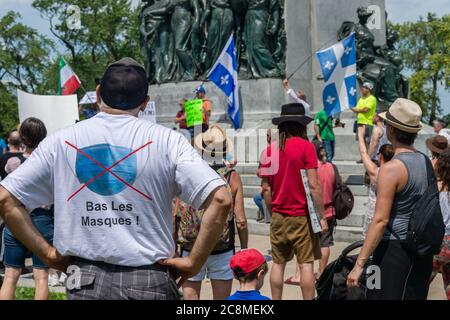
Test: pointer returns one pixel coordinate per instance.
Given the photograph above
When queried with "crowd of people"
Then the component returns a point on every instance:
(140, 210)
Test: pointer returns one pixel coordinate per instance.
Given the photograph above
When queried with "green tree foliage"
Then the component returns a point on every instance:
(109, 31)
(9, 115)
(24, 55)
(29, 61)
(425, 49)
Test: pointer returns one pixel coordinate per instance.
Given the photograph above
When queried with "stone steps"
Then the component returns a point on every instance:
(345, 168)
(254, 180)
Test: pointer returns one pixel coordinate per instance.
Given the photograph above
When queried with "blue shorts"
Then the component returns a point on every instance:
(14, 253)
(217, 267)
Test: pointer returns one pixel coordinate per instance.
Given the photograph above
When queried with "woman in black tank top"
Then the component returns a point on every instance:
(396, 275)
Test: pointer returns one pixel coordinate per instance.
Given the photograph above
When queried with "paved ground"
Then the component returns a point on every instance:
(290, 292)
(262, 243)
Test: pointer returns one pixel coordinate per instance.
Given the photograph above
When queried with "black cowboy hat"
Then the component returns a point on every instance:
(293, 112)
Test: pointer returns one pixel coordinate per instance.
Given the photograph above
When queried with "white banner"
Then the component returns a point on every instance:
(315, 223)
(149, 113)
(57, 112)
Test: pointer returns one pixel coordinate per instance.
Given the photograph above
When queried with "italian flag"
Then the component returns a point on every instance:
(68, 80)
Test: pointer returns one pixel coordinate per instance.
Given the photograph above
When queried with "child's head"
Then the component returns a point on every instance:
(249, 266)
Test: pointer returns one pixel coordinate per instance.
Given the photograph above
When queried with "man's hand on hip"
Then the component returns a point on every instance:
(56, 261)
(181, 268)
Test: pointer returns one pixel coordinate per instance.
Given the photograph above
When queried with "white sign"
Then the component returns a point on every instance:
(149, 113)
(89, 98)
(315, 223)
(57, 112)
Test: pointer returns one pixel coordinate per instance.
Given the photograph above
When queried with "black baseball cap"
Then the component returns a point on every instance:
(124, 85)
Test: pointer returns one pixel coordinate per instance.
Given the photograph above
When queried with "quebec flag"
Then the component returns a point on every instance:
(338, 65)
(224, 75)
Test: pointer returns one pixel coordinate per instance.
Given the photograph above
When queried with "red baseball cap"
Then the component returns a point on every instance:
(247, 260)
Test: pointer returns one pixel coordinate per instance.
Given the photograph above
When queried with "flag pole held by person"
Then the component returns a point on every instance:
(225, 76)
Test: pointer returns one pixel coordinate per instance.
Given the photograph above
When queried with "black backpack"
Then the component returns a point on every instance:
(343, 200)
(426, 227)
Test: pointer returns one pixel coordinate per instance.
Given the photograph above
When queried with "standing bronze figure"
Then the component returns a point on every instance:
(377, 65)
(157, 40)
(185, 18)
(262, 21)
(221, 26)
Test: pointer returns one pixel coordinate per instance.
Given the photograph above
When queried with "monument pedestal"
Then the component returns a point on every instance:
(260, 100)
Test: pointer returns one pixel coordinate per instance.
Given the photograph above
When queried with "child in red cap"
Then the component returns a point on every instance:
(249, 267)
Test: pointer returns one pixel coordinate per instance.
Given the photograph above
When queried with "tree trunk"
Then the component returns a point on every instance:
(434, 99)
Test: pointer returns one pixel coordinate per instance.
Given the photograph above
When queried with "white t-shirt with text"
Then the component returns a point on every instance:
(112, 179)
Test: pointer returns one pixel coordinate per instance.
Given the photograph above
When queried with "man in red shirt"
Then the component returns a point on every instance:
(290, 230)
(180, 118)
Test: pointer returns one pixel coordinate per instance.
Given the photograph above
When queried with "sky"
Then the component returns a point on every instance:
(399, 11)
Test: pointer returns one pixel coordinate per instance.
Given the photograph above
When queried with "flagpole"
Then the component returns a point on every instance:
(307, 59)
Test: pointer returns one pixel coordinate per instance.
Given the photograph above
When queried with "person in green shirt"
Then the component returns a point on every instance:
(365, 110)
(323, 126)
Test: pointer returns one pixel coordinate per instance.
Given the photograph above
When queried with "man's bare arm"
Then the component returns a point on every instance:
(317, 132)
(375, 140)
(370, 166)
(316, 191)
(18, 221)
(213, 222)
(216, 207)
(239, 210)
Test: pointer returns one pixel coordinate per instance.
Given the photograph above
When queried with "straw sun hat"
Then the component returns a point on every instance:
(213, 141)
(404, 115)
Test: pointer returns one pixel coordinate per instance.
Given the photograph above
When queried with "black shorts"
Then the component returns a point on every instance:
(326, 239)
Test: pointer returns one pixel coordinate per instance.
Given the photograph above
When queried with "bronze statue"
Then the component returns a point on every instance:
(199, 35)
(240, 9)
(379, 65)
(182, 39)
(391, 54)
(158, 44)
(262, 21)
(185, 19)
(221, 26)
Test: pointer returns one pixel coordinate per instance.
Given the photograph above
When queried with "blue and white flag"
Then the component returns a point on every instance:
(338, 65)
(224, 75)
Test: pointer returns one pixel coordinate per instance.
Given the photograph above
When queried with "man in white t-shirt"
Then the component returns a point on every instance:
(112, 179)
(298, 96)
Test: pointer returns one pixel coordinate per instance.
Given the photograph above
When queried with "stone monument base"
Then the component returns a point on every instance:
(260, 100)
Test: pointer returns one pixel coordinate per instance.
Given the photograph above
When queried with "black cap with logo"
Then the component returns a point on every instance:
(124, 85)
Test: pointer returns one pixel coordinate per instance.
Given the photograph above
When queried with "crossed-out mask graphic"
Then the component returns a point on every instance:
(107, 184)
